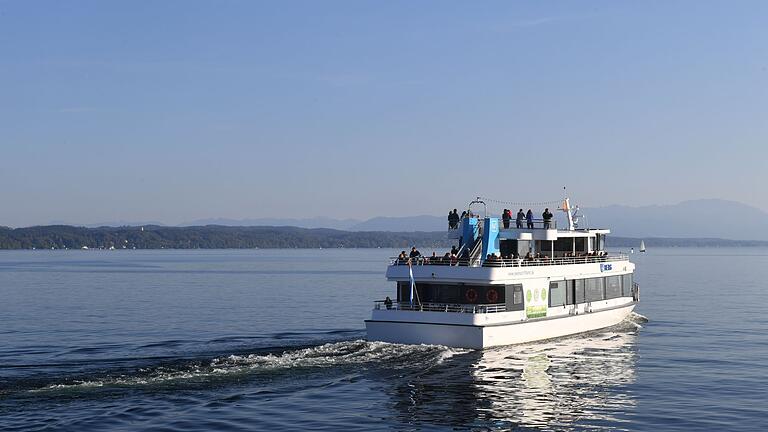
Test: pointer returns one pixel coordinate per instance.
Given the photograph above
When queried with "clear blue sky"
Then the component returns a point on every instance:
(179, 110)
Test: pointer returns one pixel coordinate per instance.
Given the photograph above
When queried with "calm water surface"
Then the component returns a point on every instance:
(274, 340)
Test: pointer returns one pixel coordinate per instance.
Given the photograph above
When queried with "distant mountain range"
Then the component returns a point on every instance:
(710, 218)
(315, 222)
(707, 218)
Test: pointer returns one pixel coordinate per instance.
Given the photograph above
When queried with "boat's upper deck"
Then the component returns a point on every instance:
(509, 262)
(515, 241)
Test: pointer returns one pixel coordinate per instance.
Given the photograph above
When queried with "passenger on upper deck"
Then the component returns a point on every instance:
(529, 218)
(506, 215)
(490, 260)
(454, 251)
(465, 255)
(519, 219)
(547, 218)
(415, 253)
(453, 219)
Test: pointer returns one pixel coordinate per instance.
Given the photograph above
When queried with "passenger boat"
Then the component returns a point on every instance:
(510, 285)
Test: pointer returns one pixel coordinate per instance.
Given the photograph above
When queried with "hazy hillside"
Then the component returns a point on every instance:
(315, 222)
(224, 237)
(403, 223)
(711, 218)
(699, 218)
(208, 237)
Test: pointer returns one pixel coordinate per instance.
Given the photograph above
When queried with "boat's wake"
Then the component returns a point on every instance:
(357, 353)
(636, 319)
(222, 369)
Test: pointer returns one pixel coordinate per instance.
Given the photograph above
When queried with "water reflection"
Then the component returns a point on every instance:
(575, 382)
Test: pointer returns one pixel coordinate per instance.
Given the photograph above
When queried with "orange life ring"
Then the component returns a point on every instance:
(471, 295)
(492, 295)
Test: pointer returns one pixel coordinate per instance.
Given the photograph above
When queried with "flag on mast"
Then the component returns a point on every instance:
(413, 282)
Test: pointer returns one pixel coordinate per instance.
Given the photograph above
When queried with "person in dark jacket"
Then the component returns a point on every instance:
(505, 217)
(464, 257)
(415, 253)
(547, 218)
(453, 219)
(519, 218)
(529, 219)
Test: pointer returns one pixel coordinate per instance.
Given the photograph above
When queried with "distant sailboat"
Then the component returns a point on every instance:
(642, 246)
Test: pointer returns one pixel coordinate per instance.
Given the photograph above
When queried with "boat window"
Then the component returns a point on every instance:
(403, 291)
(612, 287)
(580, 296)
(557, 293)
(563, 246)
(600, 242)
(448, 294)
(626, 285)
(593, 289)
(580, 244)
(515, 300)
(452, 293)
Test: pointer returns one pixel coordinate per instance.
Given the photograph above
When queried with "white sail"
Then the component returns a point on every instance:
(642, 246)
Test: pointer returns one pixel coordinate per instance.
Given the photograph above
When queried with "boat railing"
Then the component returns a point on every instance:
(514, 262)
(535, 224)
(440, 307)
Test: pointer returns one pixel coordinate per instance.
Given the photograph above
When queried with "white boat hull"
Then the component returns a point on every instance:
(480, 336)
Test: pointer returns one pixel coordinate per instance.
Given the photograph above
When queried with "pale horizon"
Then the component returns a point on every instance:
(493, 209)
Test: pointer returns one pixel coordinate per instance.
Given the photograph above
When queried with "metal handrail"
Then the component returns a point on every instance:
(477, 250)
(440, 307)
(518, 262)
(539, 222)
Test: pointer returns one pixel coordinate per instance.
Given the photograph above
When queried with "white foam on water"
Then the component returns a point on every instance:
(322, 356)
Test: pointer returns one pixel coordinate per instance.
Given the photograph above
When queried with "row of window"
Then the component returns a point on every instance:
(560, 292)
(589, 290)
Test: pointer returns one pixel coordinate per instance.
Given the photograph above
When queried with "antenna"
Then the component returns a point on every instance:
(566, 207)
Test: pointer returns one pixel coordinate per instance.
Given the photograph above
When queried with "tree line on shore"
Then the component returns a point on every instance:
(208, 237)
(228, 237)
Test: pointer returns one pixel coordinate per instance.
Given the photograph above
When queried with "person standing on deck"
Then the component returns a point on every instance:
(547, 218)
(519, 219)
(529, 218)
(453, 219)
(506, 215)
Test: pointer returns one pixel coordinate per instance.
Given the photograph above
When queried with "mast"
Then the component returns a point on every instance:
(566, 207)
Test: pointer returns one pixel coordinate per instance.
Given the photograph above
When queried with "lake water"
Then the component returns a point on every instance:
(275, 340)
